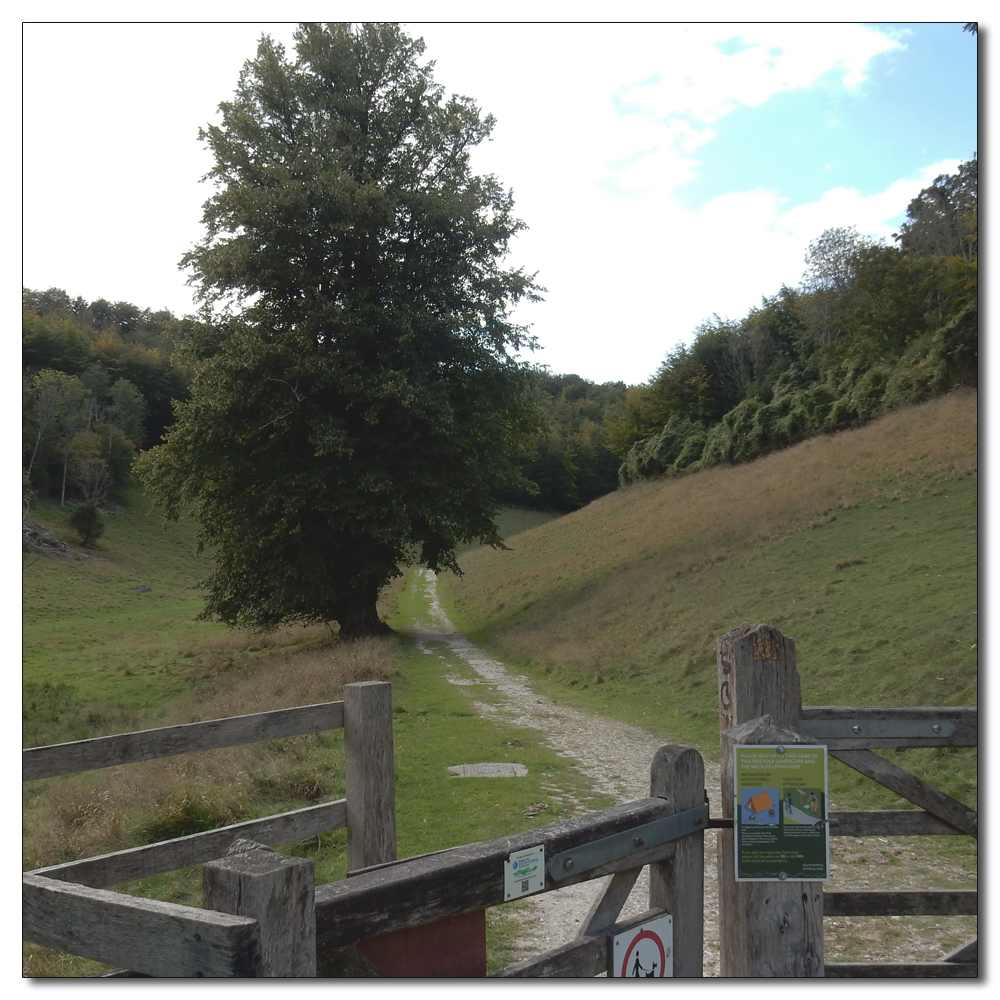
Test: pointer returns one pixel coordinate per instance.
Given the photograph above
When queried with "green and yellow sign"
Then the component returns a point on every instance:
(781, 829)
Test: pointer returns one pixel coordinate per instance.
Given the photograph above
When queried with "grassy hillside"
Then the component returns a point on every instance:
(100, 658)
(861, 546)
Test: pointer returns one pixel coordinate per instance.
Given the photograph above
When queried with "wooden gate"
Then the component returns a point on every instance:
(263, 916)
(664, 831)
(775, 928)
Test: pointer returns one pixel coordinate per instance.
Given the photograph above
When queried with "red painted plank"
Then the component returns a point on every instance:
(454, 947)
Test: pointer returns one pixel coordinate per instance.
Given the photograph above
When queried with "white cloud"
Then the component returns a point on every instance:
(633, 281)
(112, 200)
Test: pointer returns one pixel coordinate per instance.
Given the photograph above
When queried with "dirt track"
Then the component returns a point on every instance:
(615, 759)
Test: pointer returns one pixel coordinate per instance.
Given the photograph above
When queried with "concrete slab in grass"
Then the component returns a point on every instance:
(488, 770)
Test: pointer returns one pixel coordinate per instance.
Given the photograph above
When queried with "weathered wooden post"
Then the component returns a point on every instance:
(765, 928)
(678, 884)
(370, 775)
(277, 891)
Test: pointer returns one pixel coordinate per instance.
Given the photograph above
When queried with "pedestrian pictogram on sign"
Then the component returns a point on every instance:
(645, 951)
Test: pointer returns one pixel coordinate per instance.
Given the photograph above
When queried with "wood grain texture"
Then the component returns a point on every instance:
(153, 859)
(757, 676)
(465, 878)
(773, 929)
(148, 744)
(912, 788)
(278, 892)
(677, 885)
(370, 774)
(901, 970)
(608, 905)
(889, 823)
(146, 935)
(915, 903)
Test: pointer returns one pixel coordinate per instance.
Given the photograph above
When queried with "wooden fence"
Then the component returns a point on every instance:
(67, 908)
(776, 928)
(263, 916)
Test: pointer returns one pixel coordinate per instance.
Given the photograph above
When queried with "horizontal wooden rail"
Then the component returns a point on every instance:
(907, 903)
(148, 744)
(912, 788)
(900, 970)
(965, 721)
(890, 823)
(156, 938)
(197, 848)
(468, 878)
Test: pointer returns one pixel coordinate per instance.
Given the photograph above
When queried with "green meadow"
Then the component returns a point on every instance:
(861, 546)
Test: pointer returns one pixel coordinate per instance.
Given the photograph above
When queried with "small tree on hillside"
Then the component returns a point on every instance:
(357, 414)
(87, 522)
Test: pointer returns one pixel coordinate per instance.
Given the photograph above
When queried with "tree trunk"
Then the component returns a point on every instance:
(358, 618)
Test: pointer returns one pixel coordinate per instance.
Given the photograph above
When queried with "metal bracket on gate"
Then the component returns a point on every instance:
(832, 729)
(620, 845)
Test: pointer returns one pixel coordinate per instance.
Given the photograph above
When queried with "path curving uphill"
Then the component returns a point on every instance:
(614, 757)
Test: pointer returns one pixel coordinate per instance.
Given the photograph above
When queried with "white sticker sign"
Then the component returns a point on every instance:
(524, 872)
(645, 951)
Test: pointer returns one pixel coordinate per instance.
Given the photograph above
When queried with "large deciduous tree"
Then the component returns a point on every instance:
(357, 398)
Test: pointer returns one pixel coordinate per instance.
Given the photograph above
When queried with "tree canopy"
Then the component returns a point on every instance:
(355, 402)
(873, 326)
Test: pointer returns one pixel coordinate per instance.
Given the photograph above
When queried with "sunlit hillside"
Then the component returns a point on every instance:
(861, 546)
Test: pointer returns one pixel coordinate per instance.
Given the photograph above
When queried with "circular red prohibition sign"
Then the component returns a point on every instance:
(642, 935)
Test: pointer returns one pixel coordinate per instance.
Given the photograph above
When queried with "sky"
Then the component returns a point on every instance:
(666, 173)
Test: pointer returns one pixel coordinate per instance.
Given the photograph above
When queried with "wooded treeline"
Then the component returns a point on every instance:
(99, 379)
(872, 326)
(98, 382)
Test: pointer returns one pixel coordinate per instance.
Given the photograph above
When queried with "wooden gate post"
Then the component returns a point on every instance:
(758, 677)
(678, 884)
(775, 929)
(277, 891)
(370, 774)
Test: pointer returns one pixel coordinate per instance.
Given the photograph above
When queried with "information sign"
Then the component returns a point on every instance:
(524, 872)
(645, 951)
(781, 813)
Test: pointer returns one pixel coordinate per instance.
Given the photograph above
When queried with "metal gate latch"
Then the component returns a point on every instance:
(626, 842)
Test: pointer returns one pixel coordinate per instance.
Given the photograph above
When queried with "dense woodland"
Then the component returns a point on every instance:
(873, 326)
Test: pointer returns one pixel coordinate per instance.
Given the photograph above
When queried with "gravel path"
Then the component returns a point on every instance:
(614, 757)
